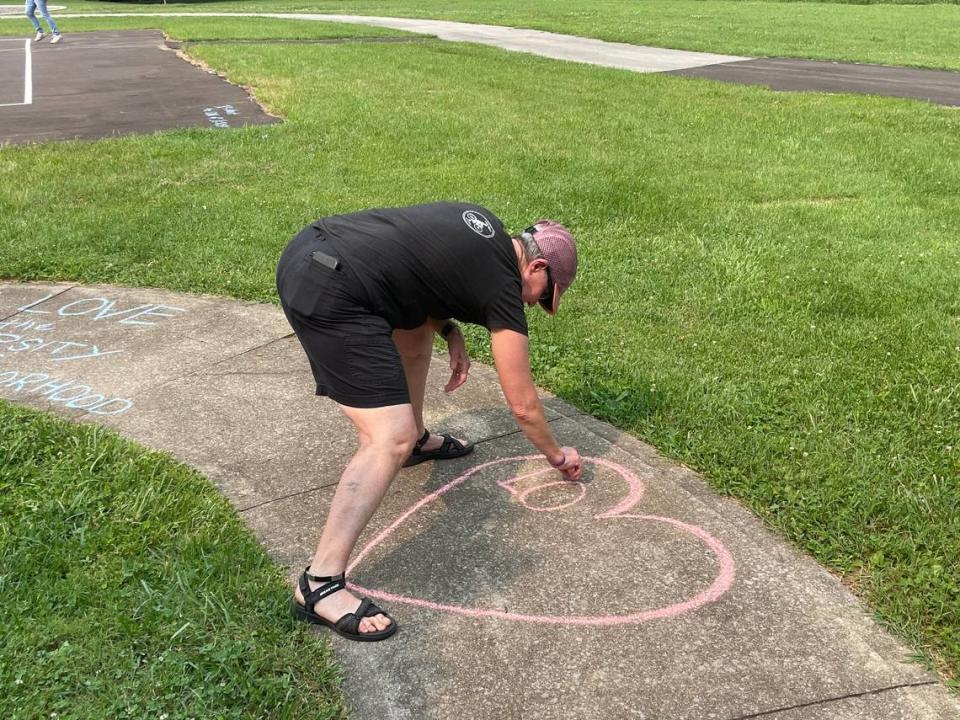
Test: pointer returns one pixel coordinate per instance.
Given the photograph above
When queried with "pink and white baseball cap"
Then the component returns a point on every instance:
(560, 252)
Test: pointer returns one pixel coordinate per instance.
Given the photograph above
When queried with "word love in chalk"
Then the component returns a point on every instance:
(59, 349)
(105, 309)
(70, 393)
(522, 489)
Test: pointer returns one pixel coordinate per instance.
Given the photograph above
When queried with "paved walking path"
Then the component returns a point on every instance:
(637, 594)
(777, 73)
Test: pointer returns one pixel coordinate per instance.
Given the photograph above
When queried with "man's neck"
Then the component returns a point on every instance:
(519, 251)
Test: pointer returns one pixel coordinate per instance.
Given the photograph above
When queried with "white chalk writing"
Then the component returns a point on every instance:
(70, 393)
(12, 343)
(214, 116)
(32, 332)
(25, 325)
(105, 309)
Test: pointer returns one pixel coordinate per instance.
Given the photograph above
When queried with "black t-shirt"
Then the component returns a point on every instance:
(443, 260)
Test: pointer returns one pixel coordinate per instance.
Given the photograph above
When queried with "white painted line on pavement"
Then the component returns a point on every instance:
(27, 78)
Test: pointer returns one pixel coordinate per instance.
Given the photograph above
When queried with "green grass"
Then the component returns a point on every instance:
(221, 29)
(769, 288)
(130, 589)
(921, 35)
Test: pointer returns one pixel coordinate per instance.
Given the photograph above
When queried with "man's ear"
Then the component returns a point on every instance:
(539, 264)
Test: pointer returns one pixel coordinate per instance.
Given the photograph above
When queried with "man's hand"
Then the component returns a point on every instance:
(459, 360)
(568, 463)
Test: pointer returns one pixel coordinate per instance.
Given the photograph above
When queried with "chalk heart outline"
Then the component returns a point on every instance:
(721, 583)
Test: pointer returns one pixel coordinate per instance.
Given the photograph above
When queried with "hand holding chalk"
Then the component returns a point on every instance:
(569, 463)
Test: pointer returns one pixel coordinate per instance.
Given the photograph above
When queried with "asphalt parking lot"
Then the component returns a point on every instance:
(785, 74)
(105, 84)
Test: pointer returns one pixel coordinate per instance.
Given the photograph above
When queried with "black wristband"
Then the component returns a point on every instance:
(448, 328)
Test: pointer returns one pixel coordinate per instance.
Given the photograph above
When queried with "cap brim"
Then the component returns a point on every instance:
(555, 303)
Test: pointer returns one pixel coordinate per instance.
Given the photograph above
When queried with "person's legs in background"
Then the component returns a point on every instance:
(29, 10)
(42, 7)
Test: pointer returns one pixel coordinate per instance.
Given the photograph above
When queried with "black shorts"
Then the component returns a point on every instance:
(350, 349)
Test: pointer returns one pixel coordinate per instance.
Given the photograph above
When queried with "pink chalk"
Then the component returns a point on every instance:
(721, 583)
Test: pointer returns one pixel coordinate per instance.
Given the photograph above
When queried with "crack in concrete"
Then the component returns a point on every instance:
(247, 373)
(334, 484)
(825, 701)
(287, 497)
(199, 370)
(20, 310)
(85, 417)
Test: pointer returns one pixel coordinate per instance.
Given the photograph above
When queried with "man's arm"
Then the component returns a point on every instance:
(512, 360)
(457, 347)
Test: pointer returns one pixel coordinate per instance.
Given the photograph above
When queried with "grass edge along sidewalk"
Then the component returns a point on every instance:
(131, 589)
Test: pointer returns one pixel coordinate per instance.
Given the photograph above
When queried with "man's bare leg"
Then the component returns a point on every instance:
(416, 349)
(386, 437)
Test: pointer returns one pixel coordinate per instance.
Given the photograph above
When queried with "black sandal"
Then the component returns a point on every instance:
(347, 626)
(451, 448)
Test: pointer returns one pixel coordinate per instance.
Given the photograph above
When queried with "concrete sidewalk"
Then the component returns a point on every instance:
(638, 593)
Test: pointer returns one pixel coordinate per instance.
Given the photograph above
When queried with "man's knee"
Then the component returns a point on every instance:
(404, 440)
(416, 343)
(397, 440)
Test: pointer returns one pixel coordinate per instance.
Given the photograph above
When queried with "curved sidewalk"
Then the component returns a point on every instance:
(639, 593)
(785, 74)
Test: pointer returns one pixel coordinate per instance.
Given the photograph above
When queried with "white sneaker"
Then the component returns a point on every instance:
(39, 37)
(55, 40)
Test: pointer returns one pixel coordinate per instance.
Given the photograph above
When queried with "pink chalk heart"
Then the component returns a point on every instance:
(545, 520)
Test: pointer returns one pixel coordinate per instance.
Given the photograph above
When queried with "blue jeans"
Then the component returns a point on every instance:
(40, 5)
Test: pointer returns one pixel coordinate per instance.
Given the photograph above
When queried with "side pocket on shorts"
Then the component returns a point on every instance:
(375, 360)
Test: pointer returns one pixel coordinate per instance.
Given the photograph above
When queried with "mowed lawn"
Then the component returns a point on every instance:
(919, 34)
(768, 292)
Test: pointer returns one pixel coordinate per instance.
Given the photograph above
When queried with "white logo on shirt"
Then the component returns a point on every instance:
(478, 223)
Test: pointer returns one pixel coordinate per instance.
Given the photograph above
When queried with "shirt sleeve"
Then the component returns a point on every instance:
(505, 309)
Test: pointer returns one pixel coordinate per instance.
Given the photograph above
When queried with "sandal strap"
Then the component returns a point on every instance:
(322, 578)
(350, 623)
(373, 610)
(451, 443)
(423, 438)
(331, 584)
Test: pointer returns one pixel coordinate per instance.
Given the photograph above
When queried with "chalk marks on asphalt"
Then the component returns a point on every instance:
(216, 115)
